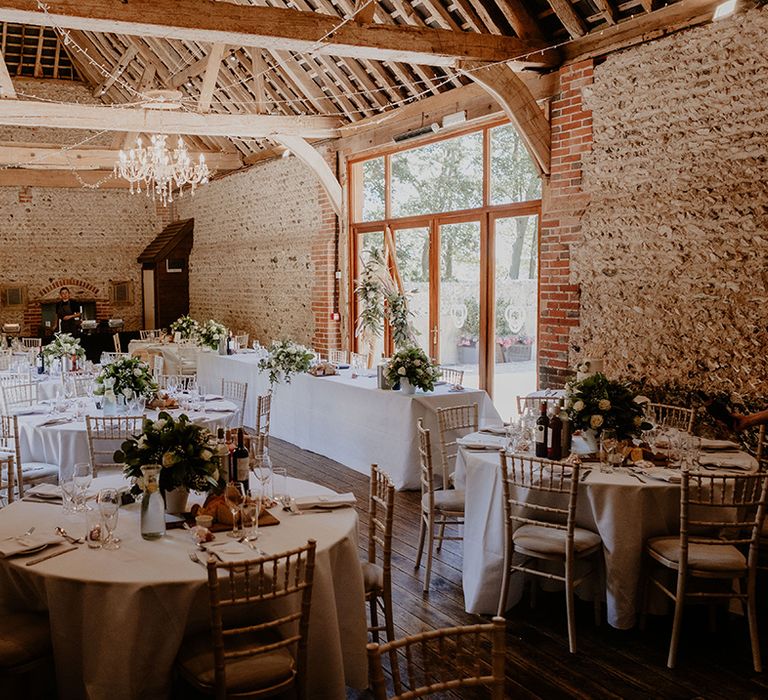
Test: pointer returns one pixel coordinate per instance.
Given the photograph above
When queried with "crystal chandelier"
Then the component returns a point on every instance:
(160, 170)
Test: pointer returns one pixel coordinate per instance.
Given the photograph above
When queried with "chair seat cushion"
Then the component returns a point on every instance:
(704, 557)
(537, 538)
(24, 637)
(38, 470)
(446, 499)
(195, 659)
(373, 576)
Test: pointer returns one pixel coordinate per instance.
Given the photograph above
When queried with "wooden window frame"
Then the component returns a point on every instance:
(486, 215)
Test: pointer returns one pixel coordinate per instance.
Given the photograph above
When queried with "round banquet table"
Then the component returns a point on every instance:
(45, 440)
(118, 617)
(624, 511)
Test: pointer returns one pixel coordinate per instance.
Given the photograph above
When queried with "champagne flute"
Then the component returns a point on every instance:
(234, 497)
(249, 512)
(109, 506)
(262, 470)
(82, 476)
(609, 445)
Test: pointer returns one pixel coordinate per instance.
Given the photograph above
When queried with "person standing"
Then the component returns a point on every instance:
(68, 312)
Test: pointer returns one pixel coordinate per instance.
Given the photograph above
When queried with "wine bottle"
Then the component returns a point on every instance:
(241, 461)
(542, 431)
(222, 454)
(41, 361)
(229, 343)
(555, 449)
(565, 433)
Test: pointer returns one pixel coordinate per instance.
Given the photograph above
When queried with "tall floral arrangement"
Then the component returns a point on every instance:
(210, 333)
(598, 403)
(63, 345)
(285, 358)
(186, 327)
(131, 376)
(412, 363)
(186, 451)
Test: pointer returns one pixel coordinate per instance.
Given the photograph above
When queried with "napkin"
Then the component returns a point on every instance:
(495, 430)
(331, 500)
(477, 441)
(55, 421)
(45, 491)
(671, 476)
(16, 546)
(213, 397)
(230, 552)
(219, 409)
(31, 410)
(728, 460)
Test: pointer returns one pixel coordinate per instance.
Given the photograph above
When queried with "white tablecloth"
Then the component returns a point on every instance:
(623, 511)
(47, 387)
(67, 443)
(346, 419)
(118, 617)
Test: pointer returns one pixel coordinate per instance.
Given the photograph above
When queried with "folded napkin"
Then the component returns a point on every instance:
(30, 410)
(495, 430)
(478, 441)
(671, 476)
(728, 460)
(219, 409)
(60, 420)
(16, 546)
(231, 552)
(331, 500)
(44, 492)
(213, 397)
(709, 444)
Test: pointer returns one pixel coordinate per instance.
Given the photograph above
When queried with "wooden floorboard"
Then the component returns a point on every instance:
(611, 664)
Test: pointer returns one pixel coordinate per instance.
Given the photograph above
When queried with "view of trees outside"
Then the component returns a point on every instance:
(447, 176)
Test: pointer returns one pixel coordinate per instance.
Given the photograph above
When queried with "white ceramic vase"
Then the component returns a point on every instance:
(176, 500)
(406, 387)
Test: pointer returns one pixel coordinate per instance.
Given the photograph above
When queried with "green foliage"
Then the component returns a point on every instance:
(412, 363)
(131, 377)
(185, 451)
(285, 359)
(599, 403)
(63, 345)
(210, 333)
(186, 326)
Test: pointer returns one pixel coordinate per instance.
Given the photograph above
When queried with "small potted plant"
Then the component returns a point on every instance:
(518, 348)
(413, 369)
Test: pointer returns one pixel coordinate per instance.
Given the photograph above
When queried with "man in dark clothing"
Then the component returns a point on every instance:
(68, 311)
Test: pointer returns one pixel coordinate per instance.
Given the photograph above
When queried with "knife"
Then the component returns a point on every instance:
(51, 555)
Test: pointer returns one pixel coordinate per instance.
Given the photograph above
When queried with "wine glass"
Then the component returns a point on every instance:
(234, 497)
(109, 506)
(82, 476)
(249, 513)
(280, 486)
(262, 470)
(609, 450)
(172, 386)
(514, 434)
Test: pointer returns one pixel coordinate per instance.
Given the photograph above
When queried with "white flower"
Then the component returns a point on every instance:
(137, 372)
(127, 392)
(401, 371)
(206, 455)
(142, 442)
(595, 421)
(603, 404)
(578, 406)
(417, 363)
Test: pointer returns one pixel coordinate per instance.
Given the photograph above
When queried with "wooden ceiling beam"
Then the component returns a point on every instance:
(258, 70)
(271, 28)
(521, 21)
(53, 157)
(607, 10)
(642, 28)
(95, 117)
(21, 177)
(571, 20)
(212, 67)
(365, 10)
(128, 55)
(7, 91)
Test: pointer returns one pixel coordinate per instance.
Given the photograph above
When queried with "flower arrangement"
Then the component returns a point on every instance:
(210, 333)
(598, 403)
(131, 376)
(285, 358)
(185, 451)
(63, 345)
(412, 363)
(186, 327)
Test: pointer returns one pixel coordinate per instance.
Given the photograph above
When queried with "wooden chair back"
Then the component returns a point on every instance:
(242, 340)
(104, 432)
(426, 469)
(156, 364)
(249, 583)
(533, 403)
(22, 395)
(80, 384)
(452, 423)
(31, 342)
(5, 360)
(672, 416)
(9, 450)
(381, 512)
(358, 360)
(263, 414)
(110, 357)
(452, 375)
(236, 392)
(7, 479)
(149, 334)
(338, 357)
(442, 660)
(720, 511)
(539, 492)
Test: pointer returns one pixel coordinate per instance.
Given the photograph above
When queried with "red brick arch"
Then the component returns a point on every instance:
(68, 282)
(87, 292)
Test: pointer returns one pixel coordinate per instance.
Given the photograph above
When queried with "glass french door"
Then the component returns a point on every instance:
(515, 301)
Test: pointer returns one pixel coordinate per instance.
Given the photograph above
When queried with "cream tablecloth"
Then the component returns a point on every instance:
(346, 419)
(118, 617)
(174, 355)
(67, 443)
(621, 509)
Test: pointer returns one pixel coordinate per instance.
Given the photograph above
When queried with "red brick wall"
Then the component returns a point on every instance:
(562, 209)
